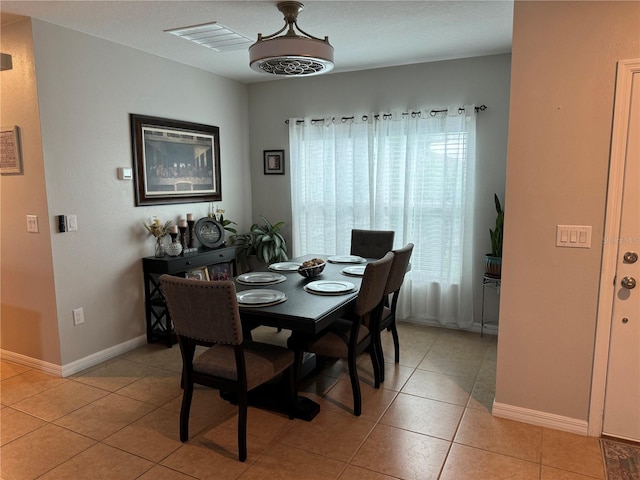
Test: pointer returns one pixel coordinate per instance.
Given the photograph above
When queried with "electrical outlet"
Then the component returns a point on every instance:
(78, 316)
(32, 223)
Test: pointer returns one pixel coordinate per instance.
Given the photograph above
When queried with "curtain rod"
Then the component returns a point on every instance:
(384, 116)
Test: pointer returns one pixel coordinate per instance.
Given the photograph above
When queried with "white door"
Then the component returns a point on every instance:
(622, 396)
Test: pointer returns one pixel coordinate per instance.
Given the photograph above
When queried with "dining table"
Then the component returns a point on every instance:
(303, 310)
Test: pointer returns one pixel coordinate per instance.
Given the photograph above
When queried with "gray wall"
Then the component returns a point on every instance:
(86, 88)
(482, 80)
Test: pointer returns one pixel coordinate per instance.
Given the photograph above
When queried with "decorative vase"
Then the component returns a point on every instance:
(159, 247)
(174, 248)
(492, 266)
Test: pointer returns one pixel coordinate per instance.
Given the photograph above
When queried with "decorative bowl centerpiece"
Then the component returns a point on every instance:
(311, 268)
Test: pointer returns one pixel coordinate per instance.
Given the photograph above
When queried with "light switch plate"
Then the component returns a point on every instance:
(125, 173)
(573, 236)
(72, 223)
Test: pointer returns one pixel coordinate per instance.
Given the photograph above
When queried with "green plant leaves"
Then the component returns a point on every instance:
(265, 241)
(496, 234)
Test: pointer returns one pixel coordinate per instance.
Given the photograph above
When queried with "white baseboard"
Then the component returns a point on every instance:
(36, 364)
(543, 419)
(474, 327)
(78, 365)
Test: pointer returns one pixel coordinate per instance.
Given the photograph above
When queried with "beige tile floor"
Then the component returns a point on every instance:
(432, 419)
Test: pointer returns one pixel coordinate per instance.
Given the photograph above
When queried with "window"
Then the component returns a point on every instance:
(407, 173)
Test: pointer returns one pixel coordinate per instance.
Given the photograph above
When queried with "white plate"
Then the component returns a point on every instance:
(260, 298)
(260, 278)
(346, 259)
(285, 267)
(329, 287)
(354, 271)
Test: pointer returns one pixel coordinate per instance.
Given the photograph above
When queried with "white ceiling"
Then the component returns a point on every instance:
(365, 34)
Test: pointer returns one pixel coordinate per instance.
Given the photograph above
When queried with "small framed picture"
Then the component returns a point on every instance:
(274, 162)
(197, 274)
(10, 152)
(219, 271)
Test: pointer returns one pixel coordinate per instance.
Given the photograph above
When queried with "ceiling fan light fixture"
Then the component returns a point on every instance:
(291, 54)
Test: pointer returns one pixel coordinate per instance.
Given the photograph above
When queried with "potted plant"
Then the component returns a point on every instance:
(493, 260)
(218, 216)
(265, 242)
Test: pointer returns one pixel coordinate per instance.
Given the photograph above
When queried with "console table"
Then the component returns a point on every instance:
(159, 326)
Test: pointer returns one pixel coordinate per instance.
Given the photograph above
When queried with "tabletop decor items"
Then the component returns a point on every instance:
(218, 215)
(182, 226)
(175, 247)
(356, 271)
(311, 268)
(260, 278)
(286, 267)
(329, 287)
(260, 297)
(159, 230)
(209, 232)
(190, 222)
(346, 259)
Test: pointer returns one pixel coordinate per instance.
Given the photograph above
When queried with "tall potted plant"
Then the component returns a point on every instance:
(265, 242)
(493, 260)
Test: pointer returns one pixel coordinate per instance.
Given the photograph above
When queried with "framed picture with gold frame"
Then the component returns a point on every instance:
(200, 273)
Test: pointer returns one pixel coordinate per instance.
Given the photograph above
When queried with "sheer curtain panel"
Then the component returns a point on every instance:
(411, 173)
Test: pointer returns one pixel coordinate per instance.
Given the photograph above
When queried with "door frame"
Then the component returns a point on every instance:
(622, 108)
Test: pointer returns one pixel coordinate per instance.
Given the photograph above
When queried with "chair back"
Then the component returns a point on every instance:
(373, 284)
(398, 268)
(206, 311)
(371, 243)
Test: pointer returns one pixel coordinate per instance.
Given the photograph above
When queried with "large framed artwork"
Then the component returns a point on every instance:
(175, 161)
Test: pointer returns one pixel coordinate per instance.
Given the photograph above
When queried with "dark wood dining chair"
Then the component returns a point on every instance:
(206, 313)
(371, 243)
(348, 337)
(399, 268)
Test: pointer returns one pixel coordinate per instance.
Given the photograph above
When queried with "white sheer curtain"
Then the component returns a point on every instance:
(409, 173)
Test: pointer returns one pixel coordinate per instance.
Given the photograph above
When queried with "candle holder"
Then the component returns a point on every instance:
(174, 248)
(191, 223)
(183, 237)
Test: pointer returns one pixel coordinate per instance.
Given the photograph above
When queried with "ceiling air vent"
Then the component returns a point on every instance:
(212, 35)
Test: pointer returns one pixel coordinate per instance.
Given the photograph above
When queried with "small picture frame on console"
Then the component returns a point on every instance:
(198, 274)
(219, 271)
